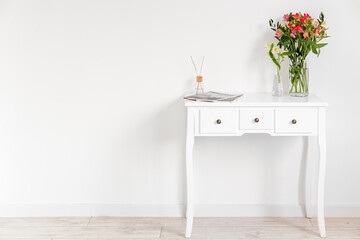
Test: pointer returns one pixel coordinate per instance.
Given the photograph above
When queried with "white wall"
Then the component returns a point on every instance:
(92, 119)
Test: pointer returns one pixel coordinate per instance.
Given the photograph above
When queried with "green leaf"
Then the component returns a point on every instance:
(287, 53)
(273, 58)
(271, 22)
(320, 45)
(313, 48)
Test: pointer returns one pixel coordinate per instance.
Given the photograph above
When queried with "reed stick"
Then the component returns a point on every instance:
(202, 62)
(194, 65)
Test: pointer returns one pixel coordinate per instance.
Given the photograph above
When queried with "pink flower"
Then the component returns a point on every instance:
(278, 33)
(286, 17)
(306, 16)
(315, 24)
(304, 20)
(317, 32)
(298, 28)
(296, 16)
(293, 34)
(306, 35)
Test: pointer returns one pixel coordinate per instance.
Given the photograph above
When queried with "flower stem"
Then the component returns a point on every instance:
(278, 74)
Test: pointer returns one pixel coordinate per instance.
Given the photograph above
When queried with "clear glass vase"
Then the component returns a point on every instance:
(277, 84)
(299, 78)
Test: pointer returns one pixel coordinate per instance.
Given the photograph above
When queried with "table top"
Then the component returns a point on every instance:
(264, 100)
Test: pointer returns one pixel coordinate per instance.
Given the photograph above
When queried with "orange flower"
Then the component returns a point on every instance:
(317, 32)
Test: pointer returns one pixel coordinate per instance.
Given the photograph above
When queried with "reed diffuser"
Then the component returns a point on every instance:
(199, 87)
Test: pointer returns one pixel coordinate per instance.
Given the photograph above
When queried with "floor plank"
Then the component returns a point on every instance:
(253, 221)
(120, 228)
(339, 222)
(44, 222)
(242, 233)
(80, 232)
(136, 221)
(260, 233)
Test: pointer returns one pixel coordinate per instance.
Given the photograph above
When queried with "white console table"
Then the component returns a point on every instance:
(257, 113)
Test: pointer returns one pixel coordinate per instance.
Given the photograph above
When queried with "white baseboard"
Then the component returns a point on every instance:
(78, 209)
(174, 210)
(248, 210)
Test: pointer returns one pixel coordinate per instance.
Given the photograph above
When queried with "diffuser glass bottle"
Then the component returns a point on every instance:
(199, 85)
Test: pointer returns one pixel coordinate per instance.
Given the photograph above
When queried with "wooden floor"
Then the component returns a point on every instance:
(101, 228)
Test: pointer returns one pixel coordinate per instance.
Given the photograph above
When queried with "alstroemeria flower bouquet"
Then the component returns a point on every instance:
(298, 35)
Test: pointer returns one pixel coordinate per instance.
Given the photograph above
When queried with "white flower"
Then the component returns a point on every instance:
(267, 46)
(276, 50)
(324, 23)
(266, 53)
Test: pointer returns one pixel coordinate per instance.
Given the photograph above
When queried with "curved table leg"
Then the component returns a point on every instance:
(322, 166)
(308, 178)
(189, 172)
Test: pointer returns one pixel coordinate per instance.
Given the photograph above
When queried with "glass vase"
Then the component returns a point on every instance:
(299, 78)
(277, 84)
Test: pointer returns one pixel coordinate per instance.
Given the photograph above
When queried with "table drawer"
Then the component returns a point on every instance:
(296, 120)
(256, 118)
(218, 120)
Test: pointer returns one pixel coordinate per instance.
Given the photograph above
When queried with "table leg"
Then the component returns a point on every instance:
(322, 166)
(189, 172)
(308, 178)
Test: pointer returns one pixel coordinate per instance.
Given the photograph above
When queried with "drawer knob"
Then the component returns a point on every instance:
(256, 120)
(218, 121)
(294, 121)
